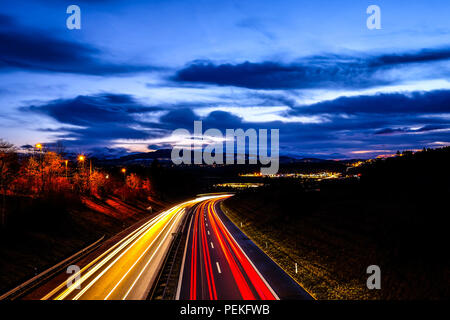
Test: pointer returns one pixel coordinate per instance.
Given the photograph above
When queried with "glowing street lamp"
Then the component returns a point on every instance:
(38, 146)
(81, 158)
(66, 163)
(124, 171)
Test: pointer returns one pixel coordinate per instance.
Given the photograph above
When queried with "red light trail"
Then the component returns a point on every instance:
(213, 245)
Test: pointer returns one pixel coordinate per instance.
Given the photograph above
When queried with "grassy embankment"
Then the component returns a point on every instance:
(395, 217)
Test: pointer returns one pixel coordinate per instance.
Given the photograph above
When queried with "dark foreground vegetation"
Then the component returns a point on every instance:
(395, 216)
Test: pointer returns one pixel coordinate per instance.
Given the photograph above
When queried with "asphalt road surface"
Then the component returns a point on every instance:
(219, 262)
(128, 269)
(217, 267)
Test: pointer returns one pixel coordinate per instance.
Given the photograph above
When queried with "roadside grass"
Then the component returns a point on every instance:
(315, 277)
(335, 240)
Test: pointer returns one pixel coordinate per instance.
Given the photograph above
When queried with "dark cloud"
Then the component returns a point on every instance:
(86, 110)
(330, 71)
(29, 49)
(179, 118)
(273, 75)
(380, 122)
(425, 128)
(98, 119)
(425, 55)
(388, 103)
(223, 119)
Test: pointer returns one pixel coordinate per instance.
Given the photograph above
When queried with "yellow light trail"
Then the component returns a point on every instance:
(128, 268)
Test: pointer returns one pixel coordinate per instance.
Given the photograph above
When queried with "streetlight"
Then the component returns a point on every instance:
(81, 159)
(66, 162)
(124, 171)
(38, 146)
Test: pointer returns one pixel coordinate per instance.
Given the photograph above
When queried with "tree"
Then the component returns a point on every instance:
(97, 182)
(8, 170)
(32, 172)
(52, 168)
(133, 181)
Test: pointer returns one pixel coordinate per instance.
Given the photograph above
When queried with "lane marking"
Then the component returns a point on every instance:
(125, 246)
(148, 247)
(218, 267)
(154, 253)
(122, 243)
(212, 246)
(127, 241)
(254, 267)
(208, 233)
(90, 284)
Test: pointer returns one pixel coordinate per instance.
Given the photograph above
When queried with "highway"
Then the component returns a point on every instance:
(214, 266)
(127, 270)
(219, 261)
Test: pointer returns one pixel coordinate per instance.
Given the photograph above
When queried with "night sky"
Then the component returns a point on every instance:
(137, 70)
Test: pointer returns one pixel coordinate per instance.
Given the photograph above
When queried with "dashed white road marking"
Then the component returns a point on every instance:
(218, 267)
(212, 246)
(208, 233)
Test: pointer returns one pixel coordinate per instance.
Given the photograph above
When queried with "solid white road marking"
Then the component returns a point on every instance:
(254, 267)
(218, 267)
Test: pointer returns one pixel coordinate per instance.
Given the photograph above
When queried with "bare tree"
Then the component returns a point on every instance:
(8, 169)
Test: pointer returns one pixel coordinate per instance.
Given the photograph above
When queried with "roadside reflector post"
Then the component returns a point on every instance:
(241, 224)
(266, 244)
(296, 270)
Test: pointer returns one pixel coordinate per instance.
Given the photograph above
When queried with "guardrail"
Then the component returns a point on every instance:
(35, 281)
(158, 290)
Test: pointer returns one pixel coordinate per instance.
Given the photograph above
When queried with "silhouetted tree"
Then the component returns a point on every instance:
(8, 169)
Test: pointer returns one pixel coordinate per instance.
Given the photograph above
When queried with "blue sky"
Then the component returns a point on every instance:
(137, 70)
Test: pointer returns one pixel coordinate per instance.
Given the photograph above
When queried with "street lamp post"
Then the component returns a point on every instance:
(38, 146)
(81, 158)
(124, 171)
(66, 162)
